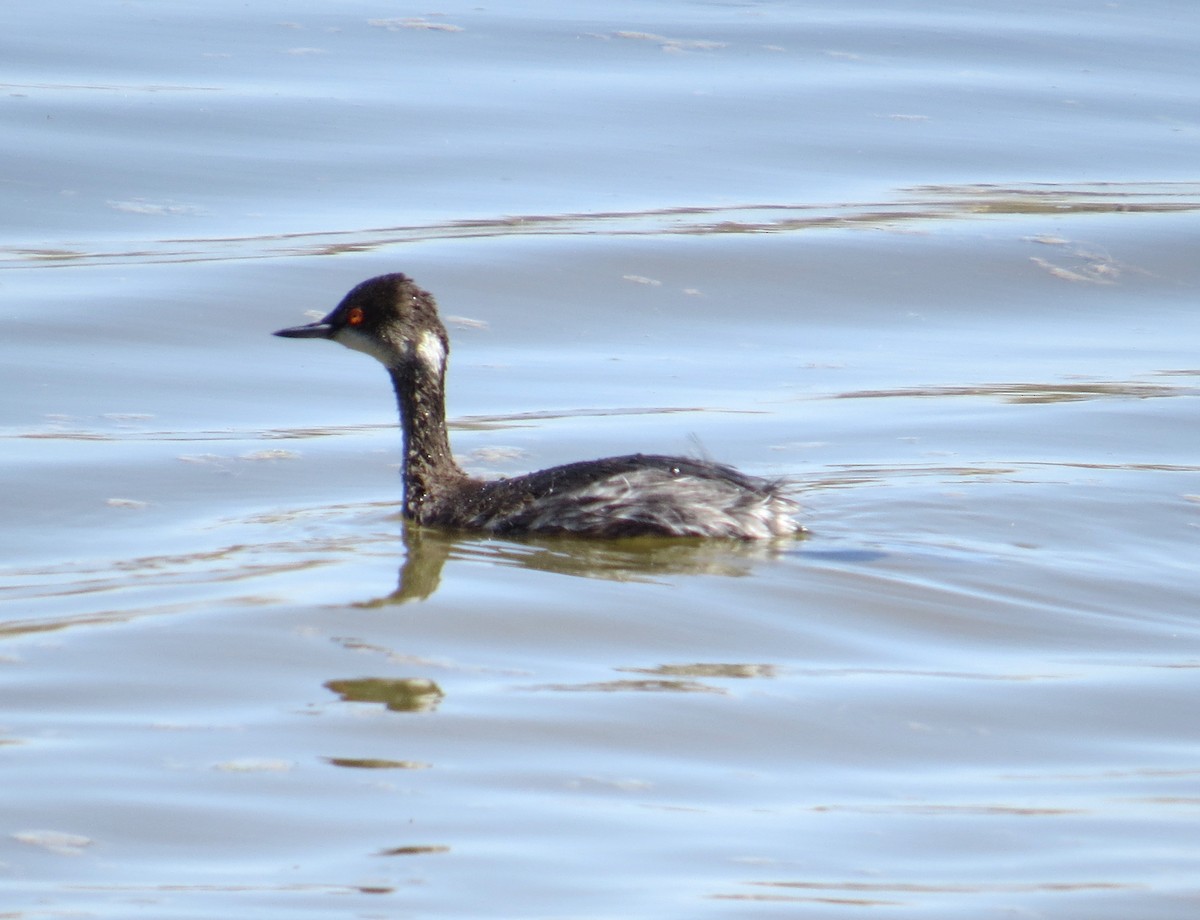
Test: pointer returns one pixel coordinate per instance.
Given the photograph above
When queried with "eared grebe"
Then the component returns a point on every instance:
(396, 322)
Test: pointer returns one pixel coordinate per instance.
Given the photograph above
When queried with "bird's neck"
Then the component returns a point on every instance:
(428, 463)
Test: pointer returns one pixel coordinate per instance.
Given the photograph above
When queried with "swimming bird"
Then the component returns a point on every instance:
(396, 322)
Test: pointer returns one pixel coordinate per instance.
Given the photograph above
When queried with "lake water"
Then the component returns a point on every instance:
(935, 262)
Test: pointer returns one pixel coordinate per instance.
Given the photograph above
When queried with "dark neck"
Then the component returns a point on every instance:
(428, 462)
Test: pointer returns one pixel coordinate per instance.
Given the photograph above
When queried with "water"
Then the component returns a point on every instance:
(934, 262)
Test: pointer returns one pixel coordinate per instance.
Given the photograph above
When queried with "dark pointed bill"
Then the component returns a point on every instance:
(319, 330)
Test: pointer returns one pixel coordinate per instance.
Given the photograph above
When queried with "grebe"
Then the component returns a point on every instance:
(396, 322)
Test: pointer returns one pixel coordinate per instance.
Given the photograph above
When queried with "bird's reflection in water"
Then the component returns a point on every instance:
(632, 559)
(408, 694)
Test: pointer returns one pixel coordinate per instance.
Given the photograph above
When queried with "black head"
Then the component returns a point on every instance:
(387, 317)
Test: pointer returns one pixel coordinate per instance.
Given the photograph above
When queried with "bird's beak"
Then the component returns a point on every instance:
(317, 330)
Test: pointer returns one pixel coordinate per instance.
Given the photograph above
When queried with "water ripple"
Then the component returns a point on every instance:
(915, 205)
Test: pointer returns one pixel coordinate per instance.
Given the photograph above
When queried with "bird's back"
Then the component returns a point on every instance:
(632, 495)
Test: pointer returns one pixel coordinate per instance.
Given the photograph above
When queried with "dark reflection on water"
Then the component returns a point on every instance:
(409, 694)
(925, 204)
(1034, 392)
(632, 559)
(375, 763)
(415, 850)
(633, 686)
(849, 893)
(81, 429)
(111, 587)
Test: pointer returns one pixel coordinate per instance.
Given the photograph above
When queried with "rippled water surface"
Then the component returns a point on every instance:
(933, 262)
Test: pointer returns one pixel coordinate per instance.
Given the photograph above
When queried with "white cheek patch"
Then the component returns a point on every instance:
(431, 350)
(358, 341)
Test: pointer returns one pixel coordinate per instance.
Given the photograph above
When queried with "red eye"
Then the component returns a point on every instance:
(354, 317)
